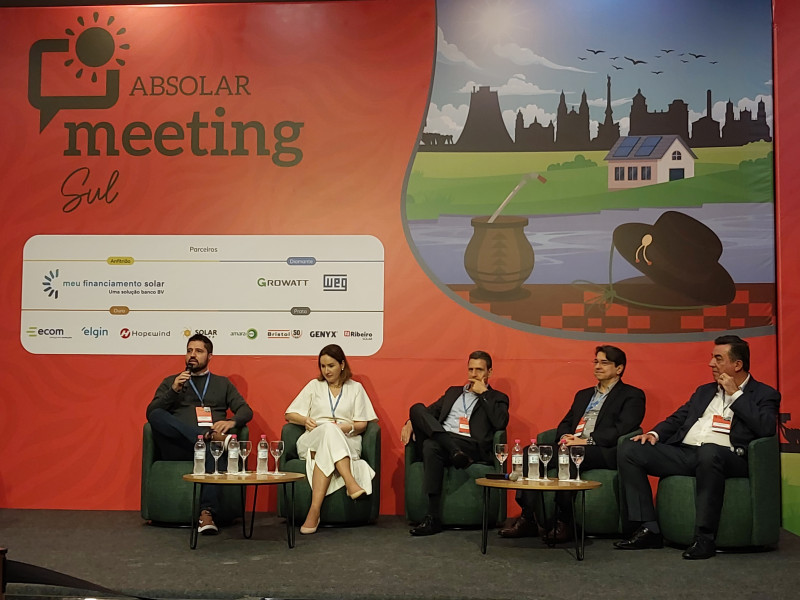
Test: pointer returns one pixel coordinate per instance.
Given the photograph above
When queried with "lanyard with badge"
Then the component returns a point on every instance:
(598, 397)
(463, 421)
(204, 418)
(719, 423)
(334, 407)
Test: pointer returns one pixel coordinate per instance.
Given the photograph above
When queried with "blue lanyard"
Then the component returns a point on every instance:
(598, 396)
(330, 399)
(205, 389)
(464, 402)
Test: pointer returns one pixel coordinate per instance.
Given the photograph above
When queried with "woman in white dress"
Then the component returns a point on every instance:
(335, 411)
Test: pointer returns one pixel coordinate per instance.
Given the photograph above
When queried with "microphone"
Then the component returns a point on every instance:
(188, 368)
(505, 476)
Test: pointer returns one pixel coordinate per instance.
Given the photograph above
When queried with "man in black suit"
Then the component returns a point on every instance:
(455, 430)
(706, 438)
(596, 419)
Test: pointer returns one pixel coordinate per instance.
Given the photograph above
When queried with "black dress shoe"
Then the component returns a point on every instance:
(522, 527)
(460, 460)
(430, 525)
(642, 539)
(561, 533)
(701, 548)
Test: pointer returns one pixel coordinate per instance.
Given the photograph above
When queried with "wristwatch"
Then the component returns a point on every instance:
(590, 441)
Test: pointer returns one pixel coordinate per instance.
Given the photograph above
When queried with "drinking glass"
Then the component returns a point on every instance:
(276, 449)
(216, 452)
(545, 454)
(245, 447)
(501, 452)
(576, 453)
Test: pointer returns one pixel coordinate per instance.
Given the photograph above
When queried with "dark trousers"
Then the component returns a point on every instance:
(175, 440)
(709, 463)
(437, 447)
(529, 500)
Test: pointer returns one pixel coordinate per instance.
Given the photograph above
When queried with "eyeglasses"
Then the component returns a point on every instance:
(602, 363)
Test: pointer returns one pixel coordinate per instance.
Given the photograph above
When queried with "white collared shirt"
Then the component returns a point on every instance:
(701, 432)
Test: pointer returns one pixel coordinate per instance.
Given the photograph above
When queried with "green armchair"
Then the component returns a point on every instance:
(338, 508)
(167, 498)
(751, 507)
(462, 500)
(603, 514)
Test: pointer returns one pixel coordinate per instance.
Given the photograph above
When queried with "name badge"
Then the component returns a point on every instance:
(203, 416)
(580, 427)
(721, 425)
(463, 425)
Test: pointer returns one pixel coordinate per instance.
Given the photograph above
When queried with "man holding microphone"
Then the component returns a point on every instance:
(191, 403)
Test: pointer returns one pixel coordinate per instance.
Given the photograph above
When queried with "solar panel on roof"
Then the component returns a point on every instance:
(625, 147)
(648, 145)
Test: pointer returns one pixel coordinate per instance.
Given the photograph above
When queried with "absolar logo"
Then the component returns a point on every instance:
(90, 49)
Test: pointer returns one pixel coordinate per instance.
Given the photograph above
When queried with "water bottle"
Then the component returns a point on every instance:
(233, 455)
(563, 463)
(199, 456)
(516, 458)
(262, 467)
(533, 461)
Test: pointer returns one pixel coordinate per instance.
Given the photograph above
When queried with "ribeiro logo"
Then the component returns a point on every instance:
(49, 283)
(334, 283)
(92, 48)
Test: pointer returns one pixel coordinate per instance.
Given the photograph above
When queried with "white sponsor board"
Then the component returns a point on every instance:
(252, 294)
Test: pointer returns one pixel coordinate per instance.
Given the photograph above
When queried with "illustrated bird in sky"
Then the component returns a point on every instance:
(697, 55)
(581, 58)
(617, 68)
(613, 57)
(713, 62)
(667, 51)
(635, 61)
(594, 51)
(658, 56)
(656, 72)
(684, 61)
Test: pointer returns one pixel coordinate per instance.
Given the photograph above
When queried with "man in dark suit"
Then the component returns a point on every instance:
(596, 419)
(455, 430)
(706, 438)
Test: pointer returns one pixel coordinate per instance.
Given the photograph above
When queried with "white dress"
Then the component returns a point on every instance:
(327, 439)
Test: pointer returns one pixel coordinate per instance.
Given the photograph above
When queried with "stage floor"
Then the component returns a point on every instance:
(119, 551)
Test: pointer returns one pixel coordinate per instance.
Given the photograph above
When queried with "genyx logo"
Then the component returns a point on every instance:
(90, 48)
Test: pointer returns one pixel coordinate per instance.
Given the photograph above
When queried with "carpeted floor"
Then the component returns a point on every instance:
(117, 550)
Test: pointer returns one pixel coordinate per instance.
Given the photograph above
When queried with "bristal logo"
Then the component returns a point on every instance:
(90, 47)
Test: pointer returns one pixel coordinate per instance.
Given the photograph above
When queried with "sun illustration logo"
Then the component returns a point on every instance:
(49, 284)
(93, 47)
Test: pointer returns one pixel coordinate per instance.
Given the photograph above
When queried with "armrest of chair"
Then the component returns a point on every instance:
(548, 436)
(371, 444)
(148, 447)
(290, 434)
(626, 436)
(763, 462)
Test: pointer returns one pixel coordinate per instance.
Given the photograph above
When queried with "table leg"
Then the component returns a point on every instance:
(485, 528)
(547, 538)
(580, 544)
(252, 513)
(193, 534)
(289, 517)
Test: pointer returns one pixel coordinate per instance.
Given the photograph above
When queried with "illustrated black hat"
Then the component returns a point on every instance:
(679, 256)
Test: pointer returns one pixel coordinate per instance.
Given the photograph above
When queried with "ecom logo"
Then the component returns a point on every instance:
(89, 50)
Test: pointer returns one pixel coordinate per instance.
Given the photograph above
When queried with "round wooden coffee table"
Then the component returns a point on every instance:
(544, 485)
(243, 480)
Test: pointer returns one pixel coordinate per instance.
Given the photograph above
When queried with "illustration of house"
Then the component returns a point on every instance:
(636, 161)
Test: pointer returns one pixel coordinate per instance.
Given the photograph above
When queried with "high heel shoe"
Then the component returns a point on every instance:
(357, 494)
(310, 530)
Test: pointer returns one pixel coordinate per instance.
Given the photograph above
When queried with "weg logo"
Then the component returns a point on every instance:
(91, 49)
